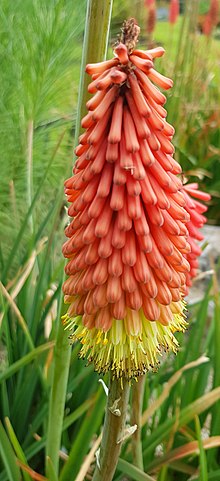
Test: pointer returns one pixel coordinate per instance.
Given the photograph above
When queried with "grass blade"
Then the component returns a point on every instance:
(80, 446)
(188, 449)
(202, 456)
(132, 471)
(51, 471)
(213, 476)
(166, 391)
(29, 212)
(185, 416)
(79, 412)
(69, 420)
(25, 360)
(181, 467)
(88, 460)
(216, 360)
(37, 305)
(34, 475)
(17, 447)
(8, 456)
(18, 314)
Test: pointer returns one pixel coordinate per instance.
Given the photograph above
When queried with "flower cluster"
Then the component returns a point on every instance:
(128, 247)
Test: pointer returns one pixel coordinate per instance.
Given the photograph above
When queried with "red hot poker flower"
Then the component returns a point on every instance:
(212, 17)
(195, 210)
(127, 242)
(151, 18)
(174, 11)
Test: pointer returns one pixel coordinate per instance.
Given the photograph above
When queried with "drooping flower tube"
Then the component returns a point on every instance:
(128, 242)
(195, 210)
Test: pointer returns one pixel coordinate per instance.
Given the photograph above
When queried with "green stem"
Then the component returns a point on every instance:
(113, 430)
(136, 415)
(213, 455)
(61, 364)
(98, 17)
(30, 134)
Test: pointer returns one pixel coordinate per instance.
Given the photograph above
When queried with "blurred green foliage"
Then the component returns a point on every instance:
(40, 57)
(204, 6)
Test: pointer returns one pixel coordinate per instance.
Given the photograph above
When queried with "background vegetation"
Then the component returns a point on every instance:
(40, 50)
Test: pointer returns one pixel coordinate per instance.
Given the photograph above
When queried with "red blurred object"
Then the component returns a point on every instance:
(211, 19)
(174, 11)
(151, 17)
(149, 3)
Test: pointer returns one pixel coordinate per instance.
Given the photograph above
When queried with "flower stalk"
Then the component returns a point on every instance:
(113, 430)
(30, 135)
(136, 417)
(98, 17)
(61, 364)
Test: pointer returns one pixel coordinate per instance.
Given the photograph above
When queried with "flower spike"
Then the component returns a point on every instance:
(128, 249)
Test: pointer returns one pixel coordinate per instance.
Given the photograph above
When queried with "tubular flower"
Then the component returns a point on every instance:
(174, 11)
(127, 241)
(195, 210)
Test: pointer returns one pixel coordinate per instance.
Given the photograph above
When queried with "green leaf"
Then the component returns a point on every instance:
(17, 447)
(88, 428)
(25, 360)
(185, 416)
(68, 421)
(50, 470)
(8, 457)
(216, 368)
(5, 399)
(24, 400)
(135, 473)
(202, 456)
(36, 304)
(204, 6)
(191, 448)
(214, 476)
(24, 225)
